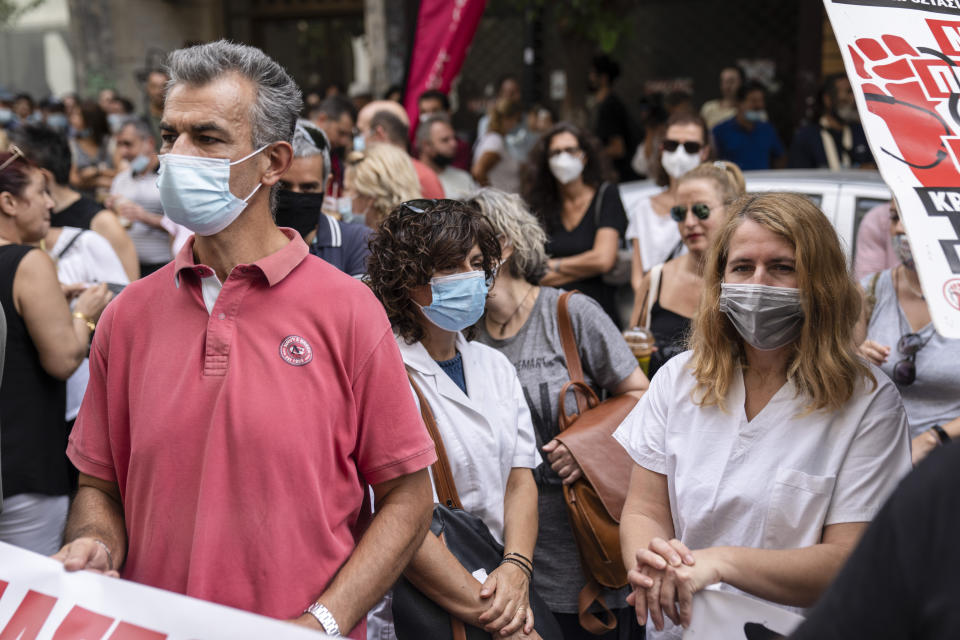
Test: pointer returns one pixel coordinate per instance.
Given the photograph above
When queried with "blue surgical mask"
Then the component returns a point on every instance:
(139, 164)
(6, 115)
(57, 121)
(359, 142)
(195, 192)
(758, 115)
(458, 300)
(345, 208)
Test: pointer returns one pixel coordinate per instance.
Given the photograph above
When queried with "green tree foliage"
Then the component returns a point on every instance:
(599, 22)
(10, 10)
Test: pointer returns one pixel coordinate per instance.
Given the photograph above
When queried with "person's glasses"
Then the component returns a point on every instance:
(571, 150)
(679, 212)
(905, 371)
(15, 154)
(690, 146)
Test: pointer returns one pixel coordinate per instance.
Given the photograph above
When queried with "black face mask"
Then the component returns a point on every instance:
(299, 211)
(442, 161)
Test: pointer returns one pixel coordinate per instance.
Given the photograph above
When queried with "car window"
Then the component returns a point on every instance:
(863, 204)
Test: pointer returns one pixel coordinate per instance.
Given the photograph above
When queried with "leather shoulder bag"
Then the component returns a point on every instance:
(595, 501)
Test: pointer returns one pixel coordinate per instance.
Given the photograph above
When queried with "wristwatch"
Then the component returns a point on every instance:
(941, 433)
(325, 618)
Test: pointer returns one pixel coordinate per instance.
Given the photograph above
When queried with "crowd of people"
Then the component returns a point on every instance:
(228, 321)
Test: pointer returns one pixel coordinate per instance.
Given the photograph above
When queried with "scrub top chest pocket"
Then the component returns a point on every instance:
(797, 509)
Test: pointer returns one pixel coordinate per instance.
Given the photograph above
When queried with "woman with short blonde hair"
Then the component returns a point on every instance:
(763, 453)
(379, 179)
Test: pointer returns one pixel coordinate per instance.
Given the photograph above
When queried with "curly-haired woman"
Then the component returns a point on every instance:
(429, 265)
(583, 217)
(763, 453)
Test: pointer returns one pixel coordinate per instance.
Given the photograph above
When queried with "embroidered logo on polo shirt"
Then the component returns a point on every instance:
(296, 351)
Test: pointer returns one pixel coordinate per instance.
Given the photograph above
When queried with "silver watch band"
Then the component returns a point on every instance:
(325, 618)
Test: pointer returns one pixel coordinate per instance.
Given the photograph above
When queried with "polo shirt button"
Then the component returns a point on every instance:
(222, 316)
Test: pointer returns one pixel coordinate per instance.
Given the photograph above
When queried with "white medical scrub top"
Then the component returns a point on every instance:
(773, 482)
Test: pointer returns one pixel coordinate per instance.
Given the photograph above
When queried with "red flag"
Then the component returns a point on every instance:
(445, 30)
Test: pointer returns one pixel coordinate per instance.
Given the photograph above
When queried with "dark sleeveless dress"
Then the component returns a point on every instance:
(670, 330)
(33, 435)
(80, 214)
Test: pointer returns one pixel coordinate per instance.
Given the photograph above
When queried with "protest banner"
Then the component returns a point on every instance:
(39, 600)
(722, 615)
(445, 29)
(902, 60)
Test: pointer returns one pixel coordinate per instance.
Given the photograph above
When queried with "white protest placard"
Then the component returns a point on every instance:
(903, 61)
(39, 600)
(721, 615)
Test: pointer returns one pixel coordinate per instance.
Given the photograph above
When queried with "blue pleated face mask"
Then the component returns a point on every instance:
(458, 300)
(195, 192)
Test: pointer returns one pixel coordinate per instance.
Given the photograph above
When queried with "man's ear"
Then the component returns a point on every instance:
(280, 155)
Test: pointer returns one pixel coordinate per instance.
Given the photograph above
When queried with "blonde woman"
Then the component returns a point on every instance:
(670, 292)
(376, 181)
(763, 453)
(493, 164)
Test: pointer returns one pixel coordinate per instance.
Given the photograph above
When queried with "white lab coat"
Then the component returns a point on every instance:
(486, 433)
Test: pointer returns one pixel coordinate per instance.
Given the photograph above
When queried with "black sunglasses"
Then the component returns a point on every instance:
(679, 212)
(905, 371)
(689, 147)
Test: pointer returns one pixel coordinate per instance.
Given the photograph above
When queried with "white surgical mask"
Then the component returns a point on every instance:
(765, 317)
(139, 164)
(359, 143)
(757, 115)
(195, 192)
(566, 167)
(678, 162)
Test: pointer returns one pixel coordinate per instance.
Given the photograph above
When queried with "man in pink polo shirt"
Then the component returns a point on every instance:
(242, 397)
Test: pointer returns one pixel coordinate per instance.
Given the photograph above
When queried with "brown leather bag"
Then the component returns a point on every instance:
(595, 501)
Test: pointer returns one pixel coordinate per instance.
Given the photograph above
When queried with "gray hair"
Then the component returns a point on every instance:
(423, 131)
(274, 112)
(309, 140)
(516, 227)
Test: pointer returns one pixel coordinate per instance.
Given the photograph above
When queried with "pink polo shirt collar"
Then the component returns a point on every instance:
(274, 267)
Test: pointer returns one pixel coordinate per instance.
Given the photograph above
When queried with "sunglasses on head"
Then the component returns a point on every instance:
(422, 205)
(15, 154)
(689, 147)
(905, 371)
(679, 212)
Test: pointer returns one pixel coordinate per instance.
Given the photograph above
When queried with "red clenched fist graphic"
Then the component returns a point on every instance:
(895, 91)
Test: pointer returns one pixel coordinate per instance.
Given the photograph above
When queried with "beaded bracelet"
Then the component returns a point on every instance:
(526, 570)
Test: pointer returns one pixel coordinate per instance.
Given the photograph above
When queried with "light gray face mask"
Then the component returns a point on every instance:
(765, 317)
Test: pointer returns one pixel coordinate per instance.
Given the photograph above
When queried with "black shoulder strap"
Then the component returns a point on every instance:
(598, 207)
(61, 253)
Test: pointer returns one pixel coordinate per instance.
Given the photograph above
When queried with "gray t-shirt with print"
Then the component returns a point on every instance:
(537, 354)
